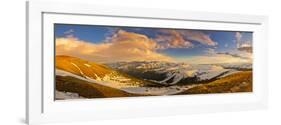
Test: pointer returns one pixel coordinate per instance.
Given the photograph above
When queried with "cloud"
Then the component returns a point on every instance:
(198, 36)
(69, 33)
(242, 55)
(111, 31)
(124, 46)
(243, 45)
(211, 56)
(246, 47)
(210, 51)
(172, 39)
(182, 38)
(238, 36)
(129, 46)
(122, 35)
(215, 59)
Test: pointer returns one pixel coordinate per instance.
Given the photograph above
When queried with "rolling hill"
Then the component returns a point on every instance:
(81, 67)
(171, 73)
(78, 78)
(98, 73)
(238, 82)
(88, 89)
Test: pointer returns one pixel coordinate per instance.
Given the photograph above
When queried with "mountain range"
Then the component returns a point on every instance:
(79, 78)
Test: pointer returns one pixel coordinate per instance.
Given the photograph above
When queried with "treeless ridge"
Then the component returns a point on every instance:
(238, 82)
(88, 89)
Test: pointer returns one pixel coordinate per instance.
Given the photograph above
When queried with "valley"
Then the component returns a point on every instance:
(77, 78)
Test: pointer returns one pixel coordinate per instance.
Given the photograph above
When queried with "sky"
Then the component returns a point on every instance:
(105, 44)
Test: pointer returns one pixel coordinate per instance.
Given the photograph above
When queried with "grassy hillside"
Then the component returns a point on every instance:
(81, 67)
(87, 89)
(238, 82)
(96, 71)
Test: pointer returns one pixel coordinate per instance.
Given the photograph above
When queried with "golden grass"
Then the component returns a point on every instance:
(88, 89)
(93, 70)
(89, 69)
(238, 82)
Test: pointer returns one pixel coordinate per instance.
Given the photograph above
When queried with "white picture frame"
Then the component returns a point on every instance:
(41, 107)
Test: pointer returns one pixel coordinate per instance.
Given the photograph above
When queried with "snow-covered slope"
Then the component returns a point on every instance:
(67, 95)
(142, 78)
(175, 73)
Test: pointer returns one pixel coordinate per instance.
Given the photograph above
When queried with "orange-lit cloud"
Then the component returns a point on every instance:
(172, 39)
(198, 36)
(124, 46)
(182, 39)
(128, 46)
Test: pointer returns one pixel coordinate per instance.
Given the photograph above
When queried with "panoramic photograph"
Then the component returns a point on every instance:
(93, 61)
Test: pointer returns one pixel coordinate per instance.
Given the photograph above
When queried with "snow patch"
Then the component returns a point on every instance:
(67, 95)
(159, 90)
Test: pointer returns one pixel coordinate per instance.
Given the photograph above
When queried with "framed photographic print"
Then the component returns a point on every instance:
(89, 62)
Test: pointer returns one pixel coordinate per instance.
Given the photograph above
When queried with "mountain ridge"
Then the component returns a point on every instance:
(97, 72)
